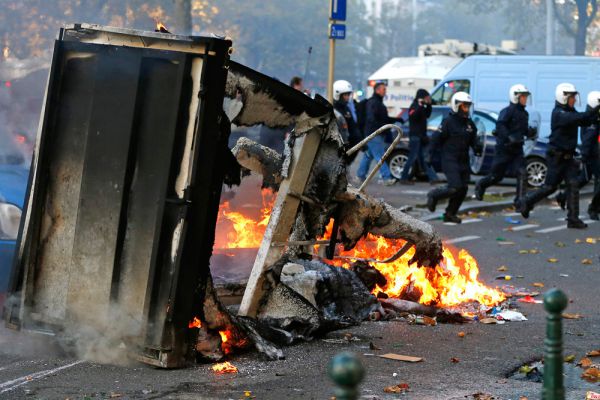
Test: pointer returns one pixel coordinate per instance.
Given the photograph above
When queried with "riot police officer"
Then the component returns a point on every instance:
(512, 128)
(456, 135)
(561, 150)
(342, 96)
(590, 157)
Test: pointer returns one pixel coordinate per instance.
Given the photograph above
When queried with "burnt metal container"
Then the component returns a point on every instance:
(123, 197)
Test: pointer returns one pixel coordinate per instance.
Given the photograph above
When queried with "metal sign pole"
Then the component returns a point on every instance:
(331, 68)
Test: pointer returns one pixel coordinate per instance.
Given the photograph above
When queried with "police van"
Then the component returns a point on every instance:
(488, 78)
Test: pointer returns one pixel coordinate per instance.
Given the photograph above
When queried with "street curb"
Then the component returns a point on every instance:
(486, 206)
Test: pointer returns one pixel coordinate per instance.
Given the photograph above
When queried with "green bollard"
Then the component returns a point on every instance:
(555, 301)
(346, 370)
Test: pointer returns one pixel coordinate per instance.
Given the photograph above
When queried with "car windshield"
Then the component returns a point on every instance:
(444, 93)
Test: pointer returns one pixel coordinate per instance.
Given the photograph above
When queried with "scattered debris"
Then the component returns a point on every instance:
(510, 315)
(504, 277)
(592, 396)
(400, 357)
(489, 321)
(593, 353)
(538, 284)
(372, 346)
(461, 334)
(572, 316)
(512, 221)
(560, 244)
(591, 240)
(423, 320)
(503, 268)
(399, 389)
(483, 396)
(586, 261)
(454, 360)
(570, 358)
(585, 363)
(578, 241)
(529, 299)
(591, 375)
(225, 368)
(563, 275)
(553, 260)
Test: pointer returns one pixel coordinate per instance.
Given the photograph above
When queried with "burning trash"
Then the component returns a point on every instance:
(225, 368)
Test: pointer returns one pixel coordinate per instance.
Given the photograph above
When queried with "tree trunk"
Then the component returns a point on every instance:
(183, 17)
(582, 24)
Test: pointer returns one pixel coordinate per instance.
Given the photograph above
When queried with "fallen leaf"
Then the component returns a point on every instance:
(572, 316)
(461, 334)
(585, 363)
(525, 369)
(523, 251)
(553, 260)
(502, 268)
(373, 347)
(400, 388)
(114, 395)
(593, 353)
(538, 284)
(483, 396)
(591, 375)
(489, 321)
(455, 360)
(523, 398)
(534, 251)
(247, 393)
(560, 244)
(570, 358)
(590, 240)
(586, 261)
(578, 241)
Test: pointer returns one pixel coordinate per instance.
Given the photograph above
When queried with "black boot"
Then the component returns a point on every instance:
(436, 195)
(523, 206)
(573, 220)
(595, 204)
(480, 188)
(451, 218)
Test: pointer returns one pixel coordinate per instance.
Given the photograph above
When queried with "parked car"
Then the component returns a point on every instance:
(535, 150)
(13, 184)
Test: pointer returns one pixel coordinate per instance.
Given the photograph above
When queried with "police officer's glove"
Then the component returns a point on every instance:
(478, 149)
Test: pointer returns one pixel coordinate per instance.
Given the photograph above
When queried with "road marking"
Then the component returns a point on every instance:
(522, 227)
(462, 239)
(513, 214)
(414, 192)
(561, 227)
(15, 383)
(565, 218)
(471, 220)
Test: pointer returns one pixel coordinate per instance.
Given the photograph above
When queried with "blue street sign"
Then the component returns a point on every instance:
(338, 10)
(337, 31)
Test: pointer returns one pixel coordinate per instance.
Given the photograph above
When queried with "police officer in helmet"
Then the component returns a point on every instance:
(456, 135)
(512, 128)
(342, 96)
(590, 156)
(561, 150)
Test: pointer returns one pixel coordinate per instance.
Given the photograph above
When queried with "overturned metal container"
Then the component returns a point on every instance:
(118, 227)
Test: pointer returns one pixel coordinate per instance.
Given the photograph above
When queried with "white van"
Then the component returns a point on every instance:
(488, 78)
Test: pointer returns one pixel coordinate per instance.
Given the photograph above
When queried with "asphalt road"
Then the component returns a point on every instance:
(32, 367)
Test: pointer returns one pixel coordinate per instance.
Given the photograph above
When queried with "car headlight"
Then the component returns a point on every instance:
(10, 215)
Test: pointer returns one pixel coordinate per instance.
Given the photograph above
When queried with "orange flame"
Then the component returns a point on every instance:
(245, 232)
(160, 27)
(195, 323)
(225, 342)
(454, 281)
(225, 368)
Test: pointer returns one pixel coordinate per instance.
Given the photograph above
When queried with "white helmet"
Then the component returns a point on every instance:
(516, 91)
(341, 87)
(458, 98)
(564, 91)
(593, 99)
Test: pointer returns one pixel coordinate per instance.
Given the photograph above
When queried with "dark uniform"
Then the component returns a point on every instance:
(561, 162)
(456, 135)
(354, 135)
(591, 166)
(512, 128)
(418, 113)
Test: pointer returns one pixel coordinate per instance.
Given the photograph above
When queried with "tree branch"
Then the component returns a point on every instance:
(563, 22)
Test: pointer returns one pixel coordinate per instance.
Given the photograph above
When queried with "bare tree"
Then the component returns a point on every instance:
(583, 17)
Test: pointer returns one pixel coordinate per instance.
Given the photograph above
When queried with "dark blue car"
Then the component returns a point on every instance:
(13, 183)
(535, 150)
